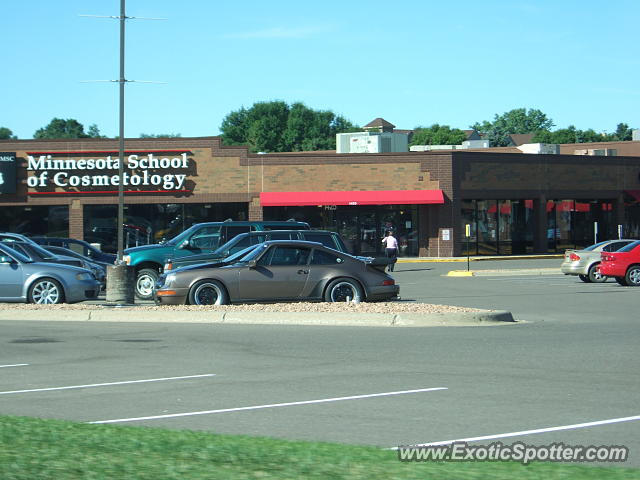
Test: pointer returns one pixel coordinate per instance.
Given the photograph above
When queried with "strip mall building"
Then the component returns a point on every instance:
(513, 202)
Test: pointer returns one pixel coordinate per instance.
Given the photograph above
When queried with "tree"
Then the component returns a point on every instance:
(572, 135)
(277, 127)
(623, 133)
(518, 120)
(6, 134)
(70, 128)
(438, 135)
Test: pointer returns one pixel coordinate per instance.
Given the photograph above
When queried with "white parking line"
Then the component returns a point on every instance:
(50, 389)
(531, 432)
(273, 405)
(15, 365)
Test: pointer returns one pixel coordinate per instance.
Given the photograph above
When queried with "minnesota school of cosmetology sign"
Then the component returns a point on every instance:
(140, 171)
(8, 172)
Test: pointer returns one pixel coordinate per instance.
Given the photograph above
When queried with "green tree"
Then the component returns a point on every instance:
(6, 134)
(70, 128)
(438, 135)
(518, 120)
(623, 133)
(277, 127)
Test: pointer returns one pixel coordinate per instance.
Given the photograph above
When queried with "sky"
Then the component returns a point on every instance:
(413, 63)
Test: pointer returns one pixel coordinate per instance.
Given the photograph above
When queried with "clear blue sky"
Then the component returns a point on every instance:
(413, 62)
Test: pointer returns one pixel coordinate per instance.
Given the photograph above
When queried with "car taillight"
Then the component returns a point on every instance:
(607, 258)
(573, 257)
(388, 282)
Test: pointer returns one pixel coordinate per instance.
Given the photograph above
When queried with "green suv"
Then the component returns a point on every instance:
(148, 260)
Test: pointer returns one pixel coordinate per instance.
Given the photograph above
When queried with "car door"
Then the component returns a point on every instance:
(280, 273)
(11, 279)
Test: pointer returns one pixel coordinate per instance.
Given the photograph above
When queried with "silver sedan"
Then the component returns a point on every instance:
(23, 280)
(585, 262)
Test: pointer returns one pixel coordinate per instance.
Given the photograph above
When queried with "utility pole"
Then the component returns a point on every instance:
(121, 277)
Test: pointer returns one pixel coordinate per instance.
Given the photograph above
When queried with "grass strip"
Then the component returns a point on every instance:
(32, 448)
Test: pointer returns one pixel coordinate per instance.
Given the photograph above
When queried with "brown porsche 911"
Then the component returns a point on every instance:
(282, 270)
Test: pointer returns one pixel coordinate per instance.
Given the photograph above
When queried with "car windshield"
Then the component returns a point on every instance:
(593, 247)
(183, 236)
(242, 254)
(629, 247)
(17, 255)
(250, 253)
(43, 252)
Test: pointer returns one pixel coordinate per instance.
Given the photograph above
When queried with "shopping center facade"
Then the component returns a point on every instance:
(512, 202)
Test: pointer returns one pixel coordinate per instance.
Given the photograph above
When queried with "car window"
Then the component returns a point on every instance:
(614, 246)
(629, 247)
(593, 247)
(20, 249)
(284, 255)
(206, 237)
(320, 257)
(323, 238)
(275, 235)
(232, 231)
(17, 255)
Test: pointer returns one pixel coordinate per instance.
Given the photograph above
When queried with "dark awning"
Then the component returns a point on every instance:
(356, 197)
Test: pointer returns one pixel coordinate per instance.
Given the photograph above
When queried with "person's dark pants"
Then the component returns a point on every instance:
(392, 255)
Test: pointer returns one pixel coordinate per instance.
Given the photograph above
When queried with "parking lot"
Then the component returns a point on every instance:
(566, 373)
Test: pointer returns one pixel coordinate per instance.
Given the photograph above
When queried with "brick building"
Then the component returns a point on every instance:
(512, 202)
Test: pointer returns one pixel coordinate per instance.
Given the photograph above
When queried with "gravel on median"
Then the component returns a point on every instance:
(373, 307)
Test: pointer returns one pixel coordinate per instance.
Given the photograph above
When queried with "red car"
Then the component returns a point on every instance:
(623, 265)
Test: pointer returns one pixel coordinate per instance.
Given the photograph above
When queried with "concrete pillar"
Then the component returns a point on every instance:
(540, 241)
(121, 284)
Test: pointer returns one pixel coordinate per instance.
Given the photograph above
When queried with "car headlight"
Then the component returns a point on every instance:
(126, 259)
(84, 276)
(169, 279)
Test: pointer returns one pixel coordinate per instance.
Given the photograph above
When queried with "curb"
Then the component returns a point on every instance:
(131, 315)
(478, 259)
(460, 273)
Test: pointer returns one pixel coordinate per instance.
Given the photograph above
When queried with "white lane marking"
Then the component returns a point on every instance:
(15, 365)
(273, 405)
(50, 389)
(531, 432)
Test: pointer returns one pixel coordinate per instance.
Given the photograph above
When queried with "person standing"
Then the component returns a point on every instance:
(391, 248)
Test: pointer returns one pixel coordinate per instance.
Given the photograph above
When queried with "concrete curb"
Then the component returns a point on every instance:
(477, 259)
(504, 272)
(132, 315)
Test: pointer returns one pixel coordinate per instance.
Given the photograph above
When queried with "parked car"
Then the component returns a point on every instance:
(99, 269)
(279, 270)
(14, 237)
(244, 240)
(148, 260)
(23, 280)
(79, 246)
(623, 265)
(585, 262)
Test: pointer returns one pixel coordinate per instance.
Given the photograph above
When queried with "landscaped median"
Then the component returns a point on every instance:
(379, 314)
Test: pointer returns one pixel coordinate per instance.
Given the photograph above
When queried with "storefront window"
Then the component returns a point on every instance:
(572, 223)
(52, 221)
(153, 223)
(361, 227)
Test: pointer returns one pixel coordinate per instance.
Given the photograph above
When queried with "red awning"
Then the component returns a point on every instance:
(382, 197)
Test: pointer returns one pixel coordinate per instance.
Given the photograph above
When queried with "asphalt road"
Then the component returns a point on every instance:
(573, 361)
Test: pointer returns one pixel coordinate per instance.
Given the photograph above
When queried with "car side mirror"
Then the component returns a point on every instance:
(6, 259)
(252, 263)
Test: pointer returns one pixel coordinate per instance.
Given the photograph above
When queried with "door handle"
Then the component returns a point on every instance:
(302, 272)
